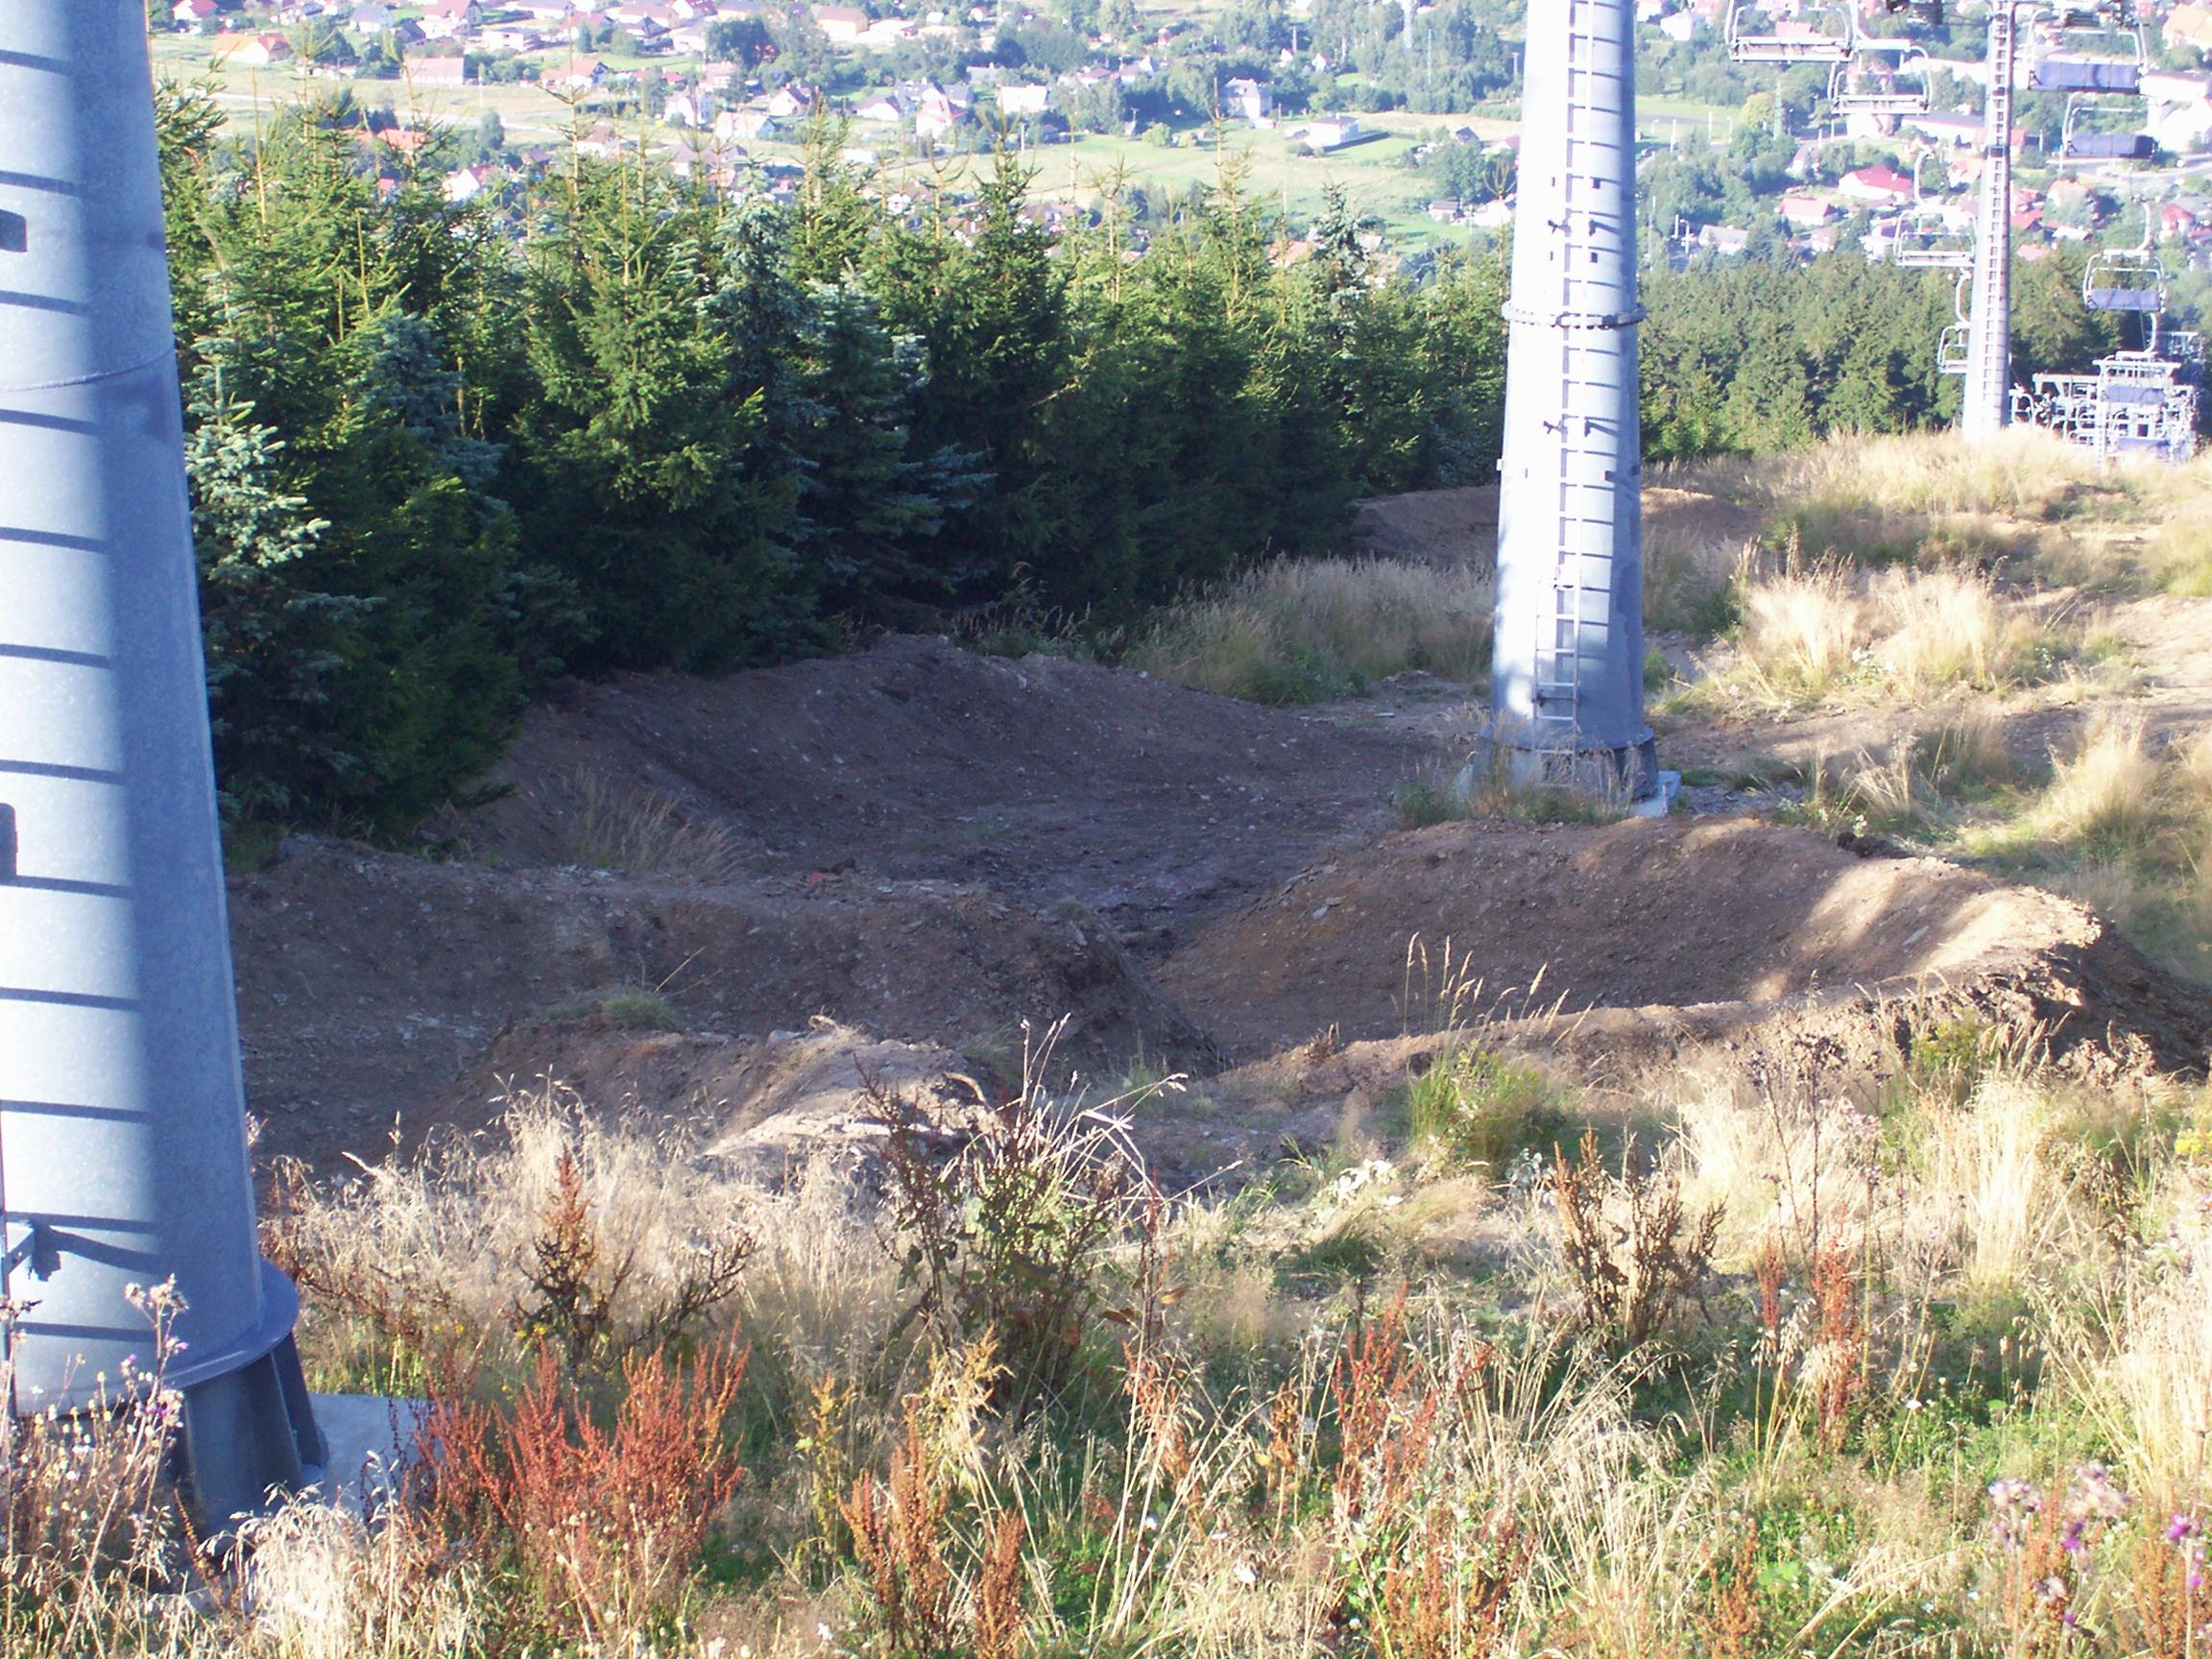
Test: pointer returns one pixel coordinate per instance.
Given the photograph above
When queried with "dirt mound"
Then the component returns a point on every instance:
(1431, 526)
(368, 982)
(917, 760)
(766, 1106)
(1655, 914)
(1461, 526)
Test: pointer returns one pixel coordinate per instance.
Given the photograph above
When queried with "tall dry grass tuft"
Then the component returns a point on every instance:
(2104, 797)
(1946, 629)
(1690, 579)
(608, 826)
(2027, 474)
(2135, 1359)
(1803, 627)
(1814, 630)
(1997, 1204)
(1298, 630)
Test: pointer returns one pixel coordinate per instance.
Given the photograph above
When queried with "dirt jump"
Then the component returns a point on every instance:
(944, 852)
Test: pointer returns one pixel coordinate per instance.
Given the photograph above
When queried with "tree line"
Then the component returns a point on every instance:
(435, 464)
(440, 453)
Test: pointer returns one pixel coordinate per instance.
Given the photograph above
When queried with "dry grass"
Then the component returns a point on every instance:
(2103, 798)
(2180, 550)
(607, 825)
(1411, 1454)
(1690, 578)
(1816, 632)
(1295, 632)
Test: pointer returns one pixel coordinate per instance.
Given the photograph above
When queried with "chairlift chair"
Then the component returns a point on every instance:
(1925, 237)
(2080, 144)
(2089, 49)
(1818, 35)
(2127, 278)
(1954, 350)
(1899, 88)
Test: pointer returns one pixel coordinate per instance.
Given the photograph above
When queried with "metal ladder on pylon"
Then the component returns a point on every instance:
(1990, 340)
(1572, 638)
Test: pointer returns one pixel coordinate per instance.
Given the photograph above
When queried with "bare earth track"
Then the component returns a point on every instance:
(924, 848)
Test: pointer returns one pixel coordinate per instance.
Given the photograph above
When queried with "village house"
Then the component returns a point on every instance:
(1332, 133)
(260, 51)
(465, 185)
(2190, 26)
(1247, 100)
(2180, 118)
(191, 13)
(1804, 211)
(747, 126)
(689, 107)
(451, 19)
(1876, 187)
(842, 24)
(577, 75)
(792, 100)
(1024, 100)
(437, 71)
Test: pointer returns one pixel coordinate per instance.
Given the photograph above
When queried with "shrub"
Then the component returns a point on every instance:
(1632, 1247)
(903, 1540)
(1011, 1237)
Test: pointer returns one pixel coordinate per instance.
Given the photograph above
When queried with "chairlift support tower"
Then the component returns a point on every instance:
(1987, 409)
(1567, 698)
(122, 1113)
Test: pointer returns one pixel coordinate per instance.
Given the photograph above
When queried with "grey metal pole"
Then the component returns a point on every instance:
(122, 1111)
(1566, 684)
(1987, 409)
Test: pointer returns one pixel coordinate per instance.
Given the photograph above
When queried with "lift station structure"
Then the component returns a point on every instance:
(123, 1156)
(1567, 682)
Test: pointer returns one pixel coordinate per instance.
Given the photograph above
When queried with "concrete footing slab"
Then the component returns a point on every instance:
(372, 1440)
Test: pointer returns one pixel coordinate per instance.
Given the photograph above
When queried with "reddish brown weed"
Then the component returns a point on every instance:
(606, 1525)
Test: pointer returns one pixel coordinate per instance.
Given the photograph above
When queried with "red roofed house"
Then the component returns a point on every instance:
(443, 19)
(437, 71)
(1806, 212)
(259, 51)
(1876, 187)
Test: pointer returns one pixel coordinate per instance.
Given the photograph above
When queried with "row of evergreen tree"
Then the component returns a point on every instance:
(436, 463)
